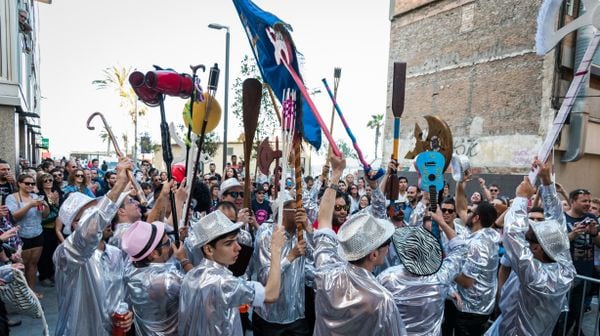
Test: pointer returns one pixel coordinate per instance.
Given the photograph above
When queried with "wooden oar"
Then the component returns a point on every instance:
(399, 85)
(251, 98)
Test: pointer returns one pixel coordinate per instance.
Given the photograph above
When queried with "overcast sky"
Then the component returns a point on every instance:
(80, 38)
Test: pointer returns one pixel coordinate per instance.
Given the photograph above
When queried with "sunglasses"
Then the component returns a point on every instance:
(450, 211)
(30, 184)
(386, 243)
(493, 190)
(48, 180)
(537, 219)
(165, 244)
(235, 194)
(531, 240)
(582, 192)
(79, 175)
(342, 207)
(57, 175)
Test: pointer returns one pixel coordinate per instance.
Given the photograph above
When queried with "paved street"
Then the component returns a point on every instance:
(34, 327)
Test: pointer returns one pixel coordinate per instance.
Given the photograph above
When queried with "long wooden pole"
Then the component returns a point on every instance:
(337, 73)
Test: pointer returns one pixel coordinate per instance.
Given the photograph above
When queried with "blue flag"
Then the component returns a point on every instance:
(255, 22)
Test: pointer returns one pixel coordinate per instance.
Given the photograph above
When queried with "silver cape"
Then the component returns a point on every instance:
(481, 264)
(153, 292)
(290, 305)
(117, 236)
(421, 299)
(349, 300)
(89, 282)
(210, 297)
(532, 297)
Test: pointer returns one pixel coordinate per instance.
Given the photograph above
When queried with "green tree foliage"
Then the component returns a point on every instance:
(117, 79)
(376, 123)
(267, 120)
(347, 149)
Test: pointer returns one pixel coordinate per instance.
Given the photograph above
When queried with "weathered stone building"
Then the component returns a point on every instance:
(20, 95)
(473, 63)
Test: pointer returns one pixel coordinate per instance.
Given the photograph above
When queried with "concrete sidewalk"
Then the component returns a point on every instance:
(34, 327)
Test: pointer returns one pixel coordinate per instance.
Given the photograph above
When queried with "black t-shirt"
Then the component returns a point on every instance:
(5, 190)
(582, 247)
(262, 211)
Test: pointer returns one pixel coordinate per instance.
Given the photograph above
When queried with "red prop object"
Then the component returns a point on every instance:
(170, 83)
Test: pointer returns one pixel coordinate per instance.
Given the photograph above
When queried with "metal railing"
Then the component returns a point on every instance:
(587, 284)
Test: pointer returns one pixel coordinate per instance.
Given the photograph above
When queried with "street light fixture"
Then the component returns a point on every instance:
(226, 102)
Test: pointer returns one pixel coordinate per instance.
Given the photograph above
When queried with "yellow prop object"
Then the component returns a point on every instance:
(214, 114)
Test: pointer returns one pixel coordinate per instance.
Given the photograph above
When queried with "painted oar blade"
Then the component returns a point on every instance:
(398, 88)
(251, 97)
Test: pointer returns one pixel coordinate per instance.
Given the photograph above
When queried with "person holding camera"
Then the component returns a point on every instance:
(582, 227)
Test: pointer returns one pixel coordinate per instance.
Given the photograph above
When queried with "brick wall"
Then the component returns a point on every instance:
(473, 64)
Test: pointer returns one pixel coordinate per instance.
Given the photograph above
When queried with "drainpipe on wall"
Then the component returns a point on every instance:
(580, 113)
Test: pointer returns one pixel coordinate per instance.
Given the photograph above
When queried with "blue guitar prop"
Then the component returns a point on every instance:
(430, 166)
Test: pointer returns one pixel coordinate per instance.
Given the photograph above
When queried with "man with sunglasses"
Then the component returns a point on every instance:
(89, 273)
(542, 273)
(344, 282)
(59, 181)
(477, 281)
(151, 283)
(582, 228)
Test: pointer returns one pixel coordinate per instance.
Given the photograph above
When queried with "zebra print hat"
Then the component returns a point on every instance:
(418, 249)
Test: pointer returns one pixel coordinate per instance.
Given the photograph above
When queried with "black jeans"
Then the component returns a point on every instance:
(3, 320)
(264, 328)
(449, 323)
(468, 324)
(45, 264)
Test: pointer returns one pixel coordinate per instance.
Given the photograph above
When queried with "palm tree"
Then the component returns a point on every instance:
(104, 136)
(116, 78)
(375, 123)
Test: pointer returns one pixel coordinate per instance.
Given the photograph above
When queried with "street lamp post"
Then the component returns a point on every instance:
(226, 102)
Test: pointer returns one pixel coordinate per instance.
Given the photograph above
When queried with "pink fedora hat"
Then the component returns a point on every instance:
(141, 239)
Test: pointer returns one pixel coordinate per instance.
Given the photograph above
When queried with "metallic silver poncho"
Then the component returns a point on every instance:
(118, 233)
(421, 299)
(349, 300)
(481, 263)
(210, 297)
(532, 297)
(89, 282)
(290, 305)
(153, 292)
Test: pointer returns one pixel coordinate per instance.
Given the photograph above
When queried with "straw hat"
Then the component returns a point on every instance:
(551, 236)
(418, 249)
(141, 239)
(213, 225)
(362, 234)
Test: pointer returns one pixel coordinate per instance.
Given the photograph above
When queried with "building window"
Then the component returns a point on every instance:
(229, 151)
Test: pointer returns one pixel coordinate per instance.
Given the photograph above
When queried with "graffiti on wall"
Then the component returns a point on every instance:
(466, 146)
